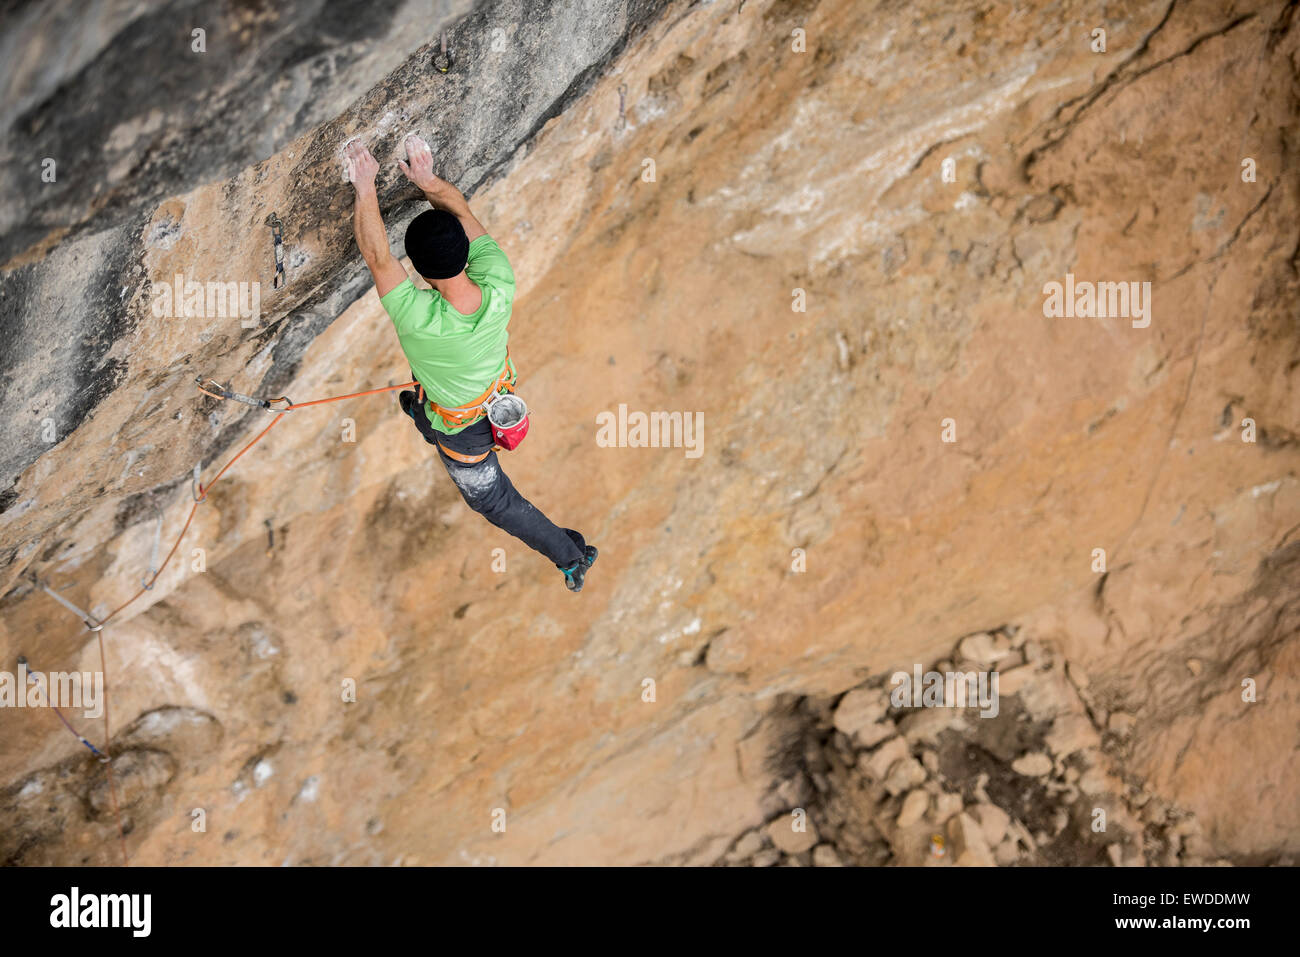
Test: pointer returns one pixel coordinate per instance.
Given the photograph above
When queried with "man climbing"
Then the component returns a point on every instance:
(454, 337)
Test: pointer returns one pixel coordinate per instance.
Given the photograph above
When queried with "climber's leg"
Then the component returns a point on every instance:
(489, 491)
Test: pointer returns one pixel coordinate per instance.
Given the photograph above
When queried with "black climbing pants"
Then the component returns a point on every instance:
(488, 490)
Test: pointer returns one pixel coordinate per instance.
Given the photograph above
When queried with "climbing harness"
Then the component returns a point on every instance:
(462, 457)
(506, 412)
(471, 412)
(277, 236)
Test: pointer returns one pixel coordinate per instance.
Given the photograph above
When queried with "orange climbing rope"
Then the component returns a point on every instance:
(200, 495)
(200, 491)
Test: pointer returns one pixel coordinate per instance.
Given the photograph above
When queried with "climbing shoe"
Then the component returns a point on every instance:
(407, 401)
(576, 573)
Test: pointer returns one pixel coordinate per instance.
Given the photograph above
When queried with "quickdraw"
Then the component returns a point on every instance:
(86, 618)
(277, 236)
(442, 60)
(224, 393)
(199, 492)
(149, 576)
(31, 676)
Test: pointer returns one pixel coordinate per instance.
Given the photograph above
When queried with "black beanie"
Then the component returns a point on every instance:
(437, 244)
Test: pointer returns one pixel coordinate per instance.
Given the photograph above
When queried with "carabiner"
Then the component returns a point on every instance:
(442, 59)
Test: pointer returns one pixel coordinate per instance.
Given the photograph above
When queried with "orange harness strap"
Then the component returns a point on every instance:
(465, 459)
(471, 412)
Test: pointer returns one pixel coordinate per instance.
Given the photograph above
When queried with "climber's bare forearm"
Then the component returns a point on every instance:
(368, 222)
(372, 241)
(368, 226)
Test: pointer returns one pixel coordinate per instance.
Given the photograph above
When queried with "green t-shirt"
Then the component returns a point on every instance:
(456, 357)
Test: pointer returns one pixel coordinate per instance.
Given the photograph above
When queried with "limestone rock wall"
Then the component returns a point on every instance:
(827, 535)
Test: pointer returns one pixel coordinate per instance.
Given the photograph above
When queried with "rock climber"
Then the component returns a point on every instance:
(454, 337)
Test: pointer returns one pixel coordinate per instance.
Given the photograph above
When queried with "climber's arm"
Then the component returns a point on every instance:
(372, 240)
(453, 201)
(368, 222)
(440, 193)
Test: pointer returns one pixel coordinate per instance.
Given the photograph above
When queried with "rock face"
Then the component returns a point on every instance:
(824, 229)
(267, 103)
(1070, 798)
